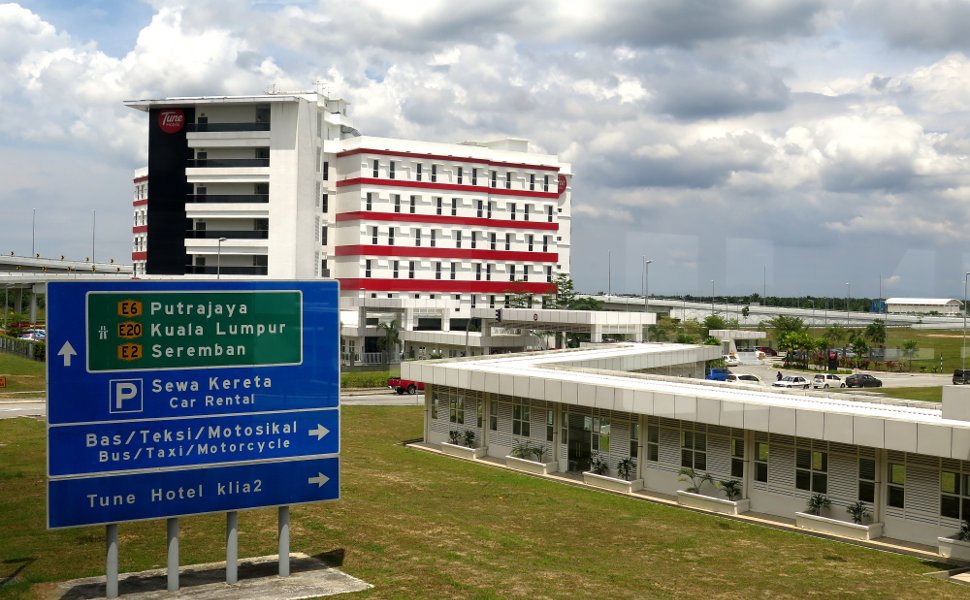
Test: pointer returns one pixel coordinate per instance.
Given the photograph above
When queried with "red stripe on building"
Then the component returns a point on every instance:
(139, 229)
(363, 215)
(140, 179)
(140, 202)
(139, 256)
(464, 159)
(481, 189)
(447, 253)
(446, 286)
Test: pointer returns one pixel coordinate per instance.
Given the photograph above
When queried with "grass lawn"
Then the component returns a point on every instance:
(420, 525)
(22, 374)
(930, 394)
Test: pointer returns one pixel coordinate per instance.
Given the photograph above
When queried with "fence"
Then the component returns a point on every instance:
(26, 348)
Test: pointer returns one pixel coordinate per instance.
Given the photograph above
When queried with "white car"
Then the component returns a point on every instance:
(743, 378)
(731, 360)
(827, 380)
(792, 381)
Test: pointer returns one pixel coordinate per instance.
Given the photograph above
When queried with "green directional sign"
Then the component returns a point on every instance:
(189, 329)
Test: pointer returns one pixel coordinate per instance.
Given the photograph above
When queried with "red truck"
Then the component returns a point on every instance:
(405, 385)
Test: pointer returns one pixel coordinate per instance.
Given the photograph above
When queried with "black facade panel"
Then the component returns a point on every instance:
(168, 153)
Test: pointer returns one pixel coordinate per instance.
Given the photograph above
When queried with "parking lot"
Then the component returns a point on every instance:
(768, 370)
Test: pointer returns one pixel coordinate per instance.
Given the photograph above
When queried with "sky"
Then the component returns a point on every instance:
(807, 147)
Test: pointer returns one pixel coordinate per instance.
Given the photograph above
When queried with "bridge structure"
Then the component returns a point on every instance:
(21, 273)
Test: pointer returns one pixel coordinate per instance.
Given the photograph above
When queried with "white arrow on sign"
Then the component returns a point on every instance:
(67, 351)
(320, 479)
(319, 431)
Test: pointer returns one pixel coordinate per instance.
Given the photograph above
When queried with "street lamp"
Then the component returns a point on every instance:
(712, 297)
(848, 293)
(963, 360)
(646, 290)
(813, 311)
(219, 257)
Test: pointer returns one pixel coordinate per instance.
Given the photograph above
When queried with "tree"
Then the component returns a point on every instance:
(836, 334)
(714, 322)
(391, 339)
(585, 304)
(861, 348)
(909, 351)
(876, 332)
(516, 296)
(565, 296)
(783, 324)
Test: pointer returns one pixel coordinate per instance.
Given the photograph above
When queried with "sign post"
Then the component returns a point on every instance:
(175, 398)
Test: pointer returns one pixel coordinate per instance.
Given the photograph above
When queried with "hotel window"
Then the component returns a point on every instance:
(454, 267)
(526, 212)
(390, 236)
(458, 238)
(530, 238)
(366, 268)
(545, 243)
(737, 457)
(693, 450)
(373, 235)
(525, 272)
(492, 412)
(433, 232)
(414, 203)
(369, 204)
(653, 443)
(600, 438)
(491, 301)
(494, 178)
(323, 235)
(437, 206)
(489, 214)
(411, 270)
(394, 269)
(488, 272)
(437, 270)
(895, 486)
(460, 173)
(326, 170)
(867, 480)
(550, 424)
(512, 210)
(521, 415)
(954, 495)
(474, 176)
(474, 239)
(508, 241)
(761, 461)
(417, 172)
(375, 166)
(326, 203)
(545, 183)
(634, 439)
(390, 169)
(548, 274)
(811, 470)
(508, 181)
(479, 213)
(397, 203)
(454, 207)
(417, 237)
(457, 410)
(478, 271)
(511, 272)
(532, 182)
(491, 241)
(434, 173)
(549, 214)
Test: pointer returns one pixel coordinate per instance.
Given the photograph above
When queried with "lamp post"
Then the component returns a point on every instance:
(963, 353)
(712, 297)
(646, 291)
(848, 293)
(813, 311)
(219, 257)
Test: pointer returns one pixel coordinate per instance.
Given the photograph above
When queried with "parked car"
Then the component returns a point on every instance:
(717, 374)
(961, 376)
(743, 378)
(827, 380)
(768, 350)
(731, 360)
(405, 385)
(792, 381)
(862, 380)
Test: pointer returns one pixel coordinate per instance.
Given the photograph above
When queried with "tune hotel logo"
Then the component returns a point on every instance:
(171, 121)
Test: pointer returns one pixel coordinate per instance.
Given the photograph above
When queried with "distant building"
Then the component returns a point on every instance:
(940, 306)
(282, 186)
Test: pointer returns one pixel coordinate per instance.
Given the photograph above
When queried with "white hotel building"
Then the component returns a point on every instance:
(281, 186)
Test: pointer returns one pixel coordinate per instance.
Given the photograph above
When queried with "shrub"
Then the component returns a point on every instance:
(817, 503)
(521, 449)
(696, 479)
(599, 465)
(626, 468)
(455, 437)
(732, 488)
(469, 438)
(858, 511)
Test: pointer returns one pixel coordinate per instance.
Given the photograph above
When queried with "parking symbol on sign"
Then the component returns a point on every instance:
(125, 396)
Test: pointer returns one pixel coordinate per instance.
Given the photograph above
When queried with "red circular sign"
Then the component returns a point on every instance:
(172, 120)
(562, 184)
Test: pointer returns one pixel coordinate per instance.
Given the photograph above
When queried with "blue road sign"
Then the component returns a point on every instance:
(134, 445)
(136, 496)
(176, 376)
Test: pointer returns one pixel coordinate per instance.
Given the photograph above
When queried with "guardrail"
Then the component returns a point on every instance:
(26, 348)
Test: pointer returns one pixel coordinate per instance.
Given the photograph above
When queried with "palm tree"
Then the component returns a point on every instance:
(391, 339)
